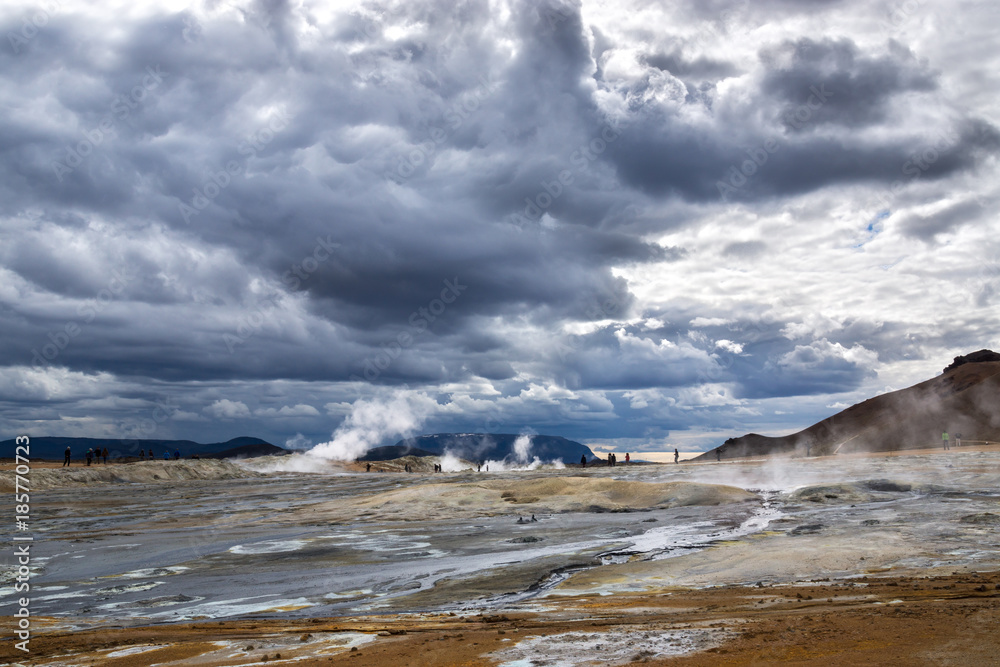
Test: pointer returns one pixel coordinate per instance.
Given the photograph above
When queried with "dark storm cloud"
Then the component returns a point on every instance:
(818, 368)
(809, 85)
(949, 219)
(383, 260)
(700, 68)
(862, 88)
(217, 203)
(744, 249)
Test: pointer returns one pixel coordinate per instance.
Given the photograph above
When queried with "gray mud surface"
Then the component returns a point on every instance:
(294, 545)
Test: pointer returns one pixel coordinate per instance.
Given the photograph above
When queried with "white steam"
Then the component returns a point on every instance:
(506, 466)
(372, 421)
(298, 443)
(451, 463)
(296, 462)
(522, 447)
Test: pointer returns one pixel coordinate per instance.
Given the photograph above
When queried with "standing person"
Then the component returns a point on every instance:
(626, 458)
(718, 454)
(90, 455)
(105, 455)
(142, 454)
(151, 457)
(66, 460)
(677, 455)
(177, 454)
(368, 467)
(583, 461)
(944, 438)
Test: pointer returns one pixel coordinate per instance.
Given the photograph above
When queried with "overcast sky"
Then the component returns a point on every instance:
(637, 224)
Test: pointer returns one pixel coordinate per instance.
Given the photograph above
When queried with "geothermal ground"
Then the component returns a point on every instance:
(839, 560)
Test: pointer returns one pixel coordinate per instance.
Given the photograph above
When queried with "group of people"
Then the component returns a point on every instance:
(406, 468)
(166, 455)
(93, 454)
(97, 455)
(612, 460)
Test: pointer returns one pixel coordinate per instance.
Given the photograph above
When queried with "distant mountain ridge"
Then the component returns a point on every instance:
(490, 446)
(52, 447)
(964, 399)
(390, 452)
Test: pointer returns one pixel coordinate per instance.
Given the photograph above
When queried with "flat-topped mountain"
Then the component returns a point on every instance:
(964, 400)
(49, 447)
(487, 446)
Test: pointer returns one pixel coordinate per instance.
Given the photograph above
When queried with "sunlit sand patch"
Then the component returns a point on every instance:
(263, 649)
(340, 642)
(618, 647)
(143, 473)
(134, 650)
(551, 494)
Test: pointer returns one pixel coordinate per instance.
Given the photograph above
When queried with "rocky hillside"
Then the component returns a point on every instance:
(964, 400)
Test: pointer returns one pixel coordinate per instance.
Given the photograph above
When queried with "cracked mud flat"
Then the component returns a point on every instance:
(670, 564)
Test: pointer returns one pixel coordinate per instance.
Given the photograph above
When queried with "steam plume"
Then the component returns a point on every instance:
(372, 421)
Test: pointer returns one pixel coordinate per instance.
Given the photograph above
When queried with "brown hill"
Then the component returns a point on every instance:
(964, 400)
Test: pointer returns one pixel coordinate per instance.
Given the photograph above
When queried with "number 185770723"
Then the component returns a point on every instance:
(21, 472)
